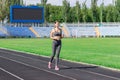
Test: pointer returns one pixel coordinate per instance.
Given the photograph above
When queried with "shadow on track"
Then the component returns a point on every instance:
(86, 67)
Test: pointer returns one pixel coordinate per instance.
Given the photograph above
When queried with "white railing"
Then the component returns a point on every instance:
(110, 24)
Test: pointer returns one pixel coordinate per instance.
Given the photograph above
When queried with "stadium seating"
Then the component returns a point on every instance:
(20, 32)
(109, 31)
(43, 31)
(75, 31)
(82, 31)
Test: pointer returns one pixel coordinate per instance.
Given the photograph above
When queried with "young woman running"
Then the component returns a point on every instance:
(56, 36)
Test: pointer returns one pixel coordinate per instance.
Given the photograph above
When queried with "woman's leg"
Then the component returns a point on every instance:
(53, 54)
(57, 55)
(53, 51)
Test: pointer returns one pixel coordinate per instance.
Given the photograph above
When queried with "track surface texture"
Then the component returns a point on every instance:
(16, 65)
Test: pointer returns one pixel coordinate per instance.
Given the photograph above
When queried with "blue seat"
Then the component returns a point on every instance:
(82, 31)
(109, 31)
(20, 31)
(43, 31)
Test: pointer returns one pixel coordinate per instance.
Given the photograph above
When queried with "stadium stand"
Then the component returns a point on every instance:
(83, 30)
(43, 31)
(20, 32)
(109, 31)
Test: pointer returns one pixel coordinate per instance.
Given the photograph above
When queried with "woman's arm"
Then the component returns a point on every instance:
(62, 36)
(51, 35)
(55, 37)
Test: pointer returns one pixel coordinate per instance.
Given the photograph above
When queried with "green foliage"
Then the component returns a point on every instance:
(5, 5)
(84, 12)
(65, 13)
(78, 11)
(72, 15)
(109, 16)
(66, 8)
(3, 9)
(43, 2)
(94, 10)
(118, 10)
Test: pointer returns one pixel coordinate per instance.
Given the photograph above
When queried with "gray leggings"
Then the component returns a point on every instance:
(56, 47)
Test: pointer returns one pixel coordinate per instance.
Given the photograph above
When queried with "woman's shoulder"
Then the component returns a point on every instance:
(53, 30)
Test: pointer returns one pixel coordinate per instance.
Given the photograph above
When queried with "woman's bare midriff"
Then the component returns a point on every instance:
(57, 37)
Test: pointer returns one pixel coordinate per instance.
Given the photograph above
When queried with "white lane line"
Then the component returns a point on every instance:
(102, 75)
(24, 56)
(11, 74)
(38, 68)
(67, 66)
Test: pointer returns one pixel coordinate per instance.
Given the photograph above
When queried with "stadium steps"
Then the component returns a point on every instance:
(66, 31)
(97, 32)
(36, 34)
(4, 31)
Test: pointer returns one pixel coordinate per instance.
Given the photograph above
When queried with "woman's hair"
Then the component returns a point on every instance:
(55, 23)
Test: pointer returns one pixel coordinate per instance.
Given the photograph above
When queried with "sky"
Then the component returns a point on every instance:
(72, 2)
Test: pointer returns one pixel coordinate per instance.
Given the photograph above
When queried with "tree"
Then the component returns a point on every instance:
(15, 2)
(117, 3)
(66, 8)
(3, 9)
(43, 2)
(94, 9)
(47, 12)
(84, 11)
(108, 14)
(101, 11)
(5, 6)
(78, 11)
(89, 16)
(72, 15)
(114, 11)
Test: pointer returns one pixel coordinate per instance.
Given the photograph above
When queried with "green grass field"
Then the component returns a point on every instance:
(100, 51)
